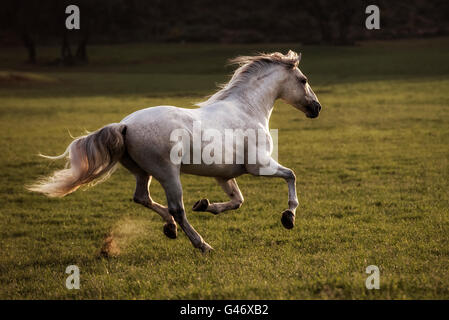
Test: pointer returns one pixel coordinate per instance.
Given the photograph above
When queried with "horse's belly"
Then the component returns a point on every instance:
(214, 170)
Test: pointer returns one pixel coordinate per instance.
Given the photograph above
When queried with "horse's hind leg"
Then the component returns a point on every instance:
(142, 196)
(232, 190)
(173, 191)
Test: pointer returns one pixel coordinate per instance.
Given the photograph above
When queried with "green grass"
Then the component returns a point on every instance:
(372, 170)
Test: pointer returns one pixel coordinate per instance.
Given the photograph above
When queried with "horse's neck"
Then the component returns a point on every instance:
(257, 97)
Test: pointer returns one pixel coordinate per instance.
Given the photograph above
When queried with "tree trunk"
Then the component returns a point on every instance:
(66, 52)
(81, 51)
(31, 47)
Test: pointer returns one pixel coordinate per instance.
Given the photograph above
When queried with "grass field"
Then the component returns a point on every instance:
(373, 179)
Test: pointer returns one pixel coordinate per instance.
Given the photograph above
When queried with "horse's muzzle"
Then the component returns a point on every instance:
(313, 110)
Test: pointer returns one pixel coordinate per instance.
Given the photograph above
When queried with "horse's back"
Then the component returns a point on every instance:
(156, 114)
(149, 130)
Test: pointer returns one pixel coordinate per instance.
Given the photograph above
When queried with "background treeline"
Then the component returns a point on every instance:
(40, 22)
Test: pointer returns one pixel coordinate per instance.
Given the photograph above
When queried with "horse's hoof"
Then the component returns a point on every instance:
(170, 230)
(288, 219)
(201, 205)
(205, 248)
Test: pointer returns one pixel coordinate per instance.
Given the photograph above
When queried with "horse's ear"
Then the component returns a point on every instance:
(296, 58)
(291, 54)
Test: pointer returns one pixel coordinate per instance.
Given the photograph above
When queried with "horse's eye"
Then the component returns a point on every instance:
(303, 81)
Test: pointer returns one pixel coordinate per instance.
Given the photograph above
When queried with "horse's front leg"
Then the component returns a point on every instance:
(173, 191)
(232, 190)
(274, 169)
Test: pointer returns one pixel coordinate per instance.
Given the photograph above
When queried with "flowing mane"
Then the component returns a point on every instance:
(248, 66)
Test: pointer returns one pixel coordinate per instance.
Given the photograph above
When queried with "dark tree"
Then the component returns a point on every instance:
(36, 22)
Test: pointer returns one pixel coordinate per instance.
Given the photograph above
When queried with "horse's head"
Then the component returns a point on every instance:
(295, 89)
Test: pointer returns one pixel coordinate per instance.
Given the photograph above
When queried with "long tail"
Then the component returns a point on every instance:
(91, 159)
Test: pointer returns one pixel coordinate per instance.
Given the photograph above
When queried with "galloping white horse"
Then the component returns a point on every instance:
(142, 143)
